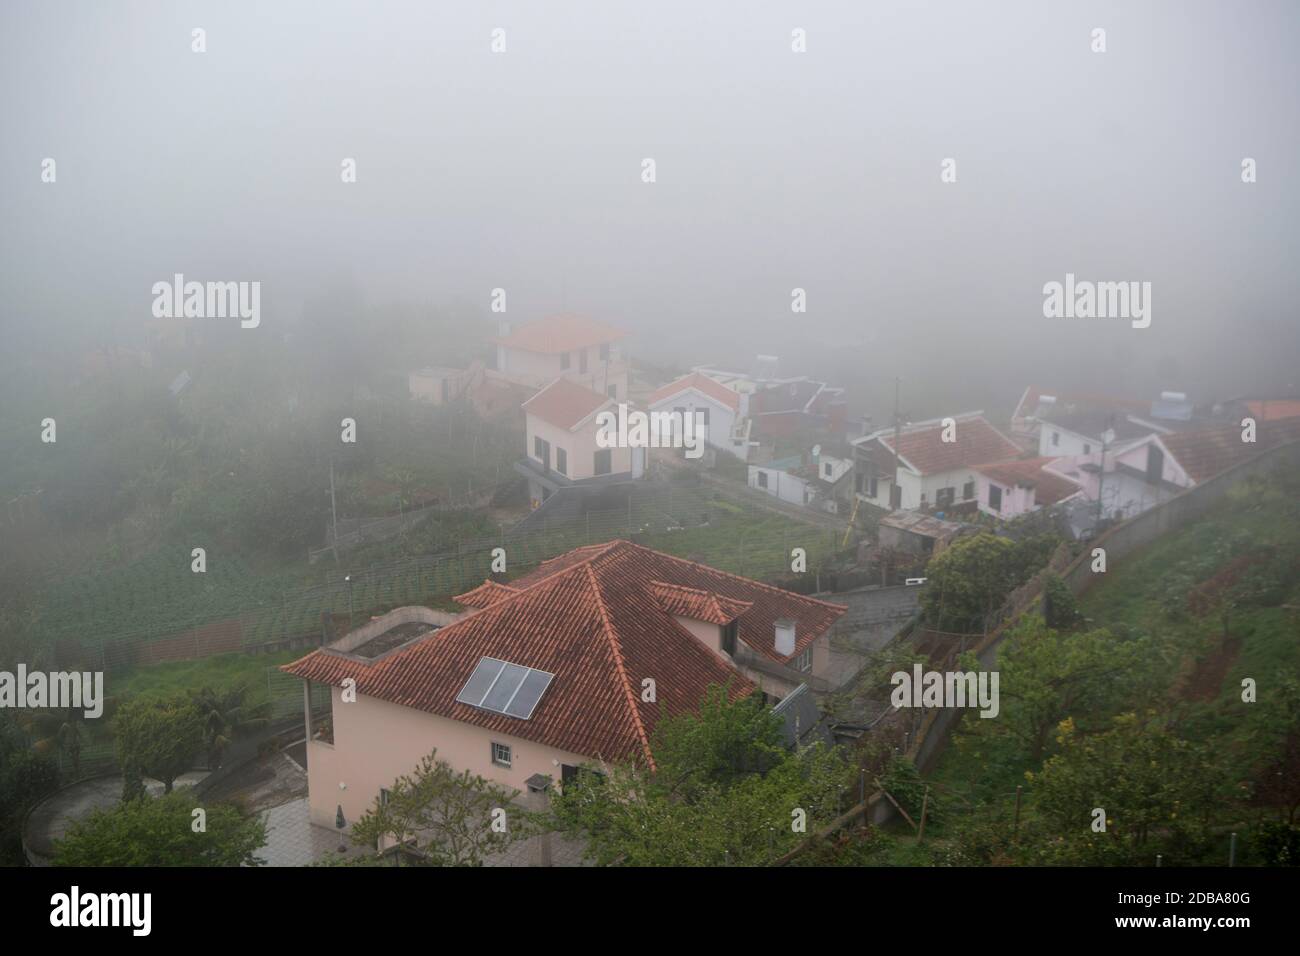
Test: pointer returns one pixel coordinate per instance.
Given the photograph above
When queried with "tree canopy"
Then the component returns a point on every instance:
(163, 832)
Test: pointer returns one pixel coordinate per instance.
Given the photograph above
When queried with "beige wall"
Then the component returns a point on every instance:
(375, 742)
(710, 635)
(539, 369)
(580, 445)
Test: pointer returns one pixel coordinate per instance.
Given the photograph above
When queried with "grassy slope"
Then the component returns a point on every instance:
(1137, 593)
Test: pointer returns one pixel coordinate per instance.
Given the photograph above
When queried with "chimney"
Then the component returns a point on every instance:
(785, 637)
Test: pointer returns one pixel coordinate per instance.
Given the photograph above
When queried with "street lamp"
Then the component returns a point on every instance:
(348, 579)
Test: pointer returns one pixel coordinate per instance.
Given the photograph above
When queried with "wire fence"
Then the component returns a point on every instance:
(731, 533)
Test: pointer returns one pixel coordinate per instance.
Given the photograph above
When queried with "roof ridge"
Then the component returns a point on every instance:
(737, 577)
(611, 633)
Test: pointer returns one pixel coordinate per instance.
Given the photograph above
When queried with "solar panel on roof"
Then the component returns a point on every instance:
(530, 692)
(476, 688)
(505, 688)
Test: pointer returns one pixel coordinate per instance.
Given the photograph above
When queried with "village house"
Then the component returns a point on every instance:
(932, 474)
(574, 663)
(441, 385)
(723, 412)
(821, 478)
(785, 407)
(1008, 489)
(1140, 474)
(1036, 403)
(912, 532)
(570, 346)
(560, 433)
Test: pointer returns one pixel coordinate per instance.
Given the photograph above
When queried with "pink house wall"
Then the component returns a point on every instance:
(1015, 499)
(375, 742)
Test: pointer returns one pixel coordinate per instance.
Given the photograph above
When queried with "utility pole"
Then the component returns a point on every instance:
(334, 513)
(898, 431)
(1106, 437)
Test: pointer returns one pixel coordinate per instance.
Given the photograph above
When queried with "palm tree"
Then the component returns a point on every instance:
(227, 713)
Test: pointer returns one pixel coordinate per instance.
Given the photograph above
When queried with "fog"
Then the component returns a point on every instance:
(774, 171)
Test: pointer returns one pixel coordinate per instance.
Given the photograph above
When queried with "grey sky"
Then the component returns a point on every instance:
(775, 170)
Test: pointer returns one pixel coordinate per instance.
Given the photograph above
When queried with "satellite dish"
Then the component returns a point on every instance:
(817, 450)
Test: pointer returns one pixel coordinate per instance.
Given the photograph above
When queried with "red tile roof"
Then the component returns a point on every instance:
(564, 403)
(975, 441)
(485, 595)
(1049, 487)
(595, 620)
(560, 333)
(1204, 452)
(1094, 400)
(701, 383)
(698, 604)
(1268, 410)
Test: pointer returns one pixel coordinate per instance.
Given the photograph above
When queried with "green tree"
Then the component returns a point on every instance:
(163, 832)
(228, 713)
(25, 777)
(452, 817)
(1159, 793)
(1046, 676)
(158, 737)
(713, 798)
(968, 581)
(726, 741)
(1059, 607)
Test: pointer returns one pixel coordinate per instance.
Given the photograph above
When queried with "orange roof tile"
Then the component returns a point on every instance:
(975, 441)
(1049, 487)
(594, 619)
(1204, 452)
(486, 594)
(1268, 410)
(560, 333)
(698, 604)
(701, 383)
(564, 403)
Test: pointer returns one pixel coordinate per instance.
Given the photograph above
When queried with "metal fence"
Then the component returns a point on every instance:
(702, 523)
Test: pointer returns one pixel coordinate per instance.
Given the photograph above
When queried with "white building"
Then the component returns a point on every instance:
(722, 411)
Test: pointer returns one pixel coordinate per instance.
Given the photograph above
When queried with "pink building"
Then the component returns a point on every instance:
(566, 345)
(1009, 488)
(561, 432)
(573, 663)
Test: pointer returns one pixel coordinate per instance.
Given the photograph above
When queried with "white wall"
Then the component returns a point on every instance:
(581, 447)
(1069, 443)
(721, 418)
(781, 484)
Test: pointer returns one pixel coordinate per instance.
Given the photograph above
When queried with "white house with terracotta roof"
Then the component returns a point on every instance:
(933, 474)
(1038, 403)
(566, 345)
(560, 432)
(723, 411)
(1140, 474)
(573, 663)
(1007, 489)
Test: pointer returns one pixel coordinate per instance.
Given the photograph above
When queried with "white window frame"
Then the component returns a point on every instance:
(804, 661)
(497, 759)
